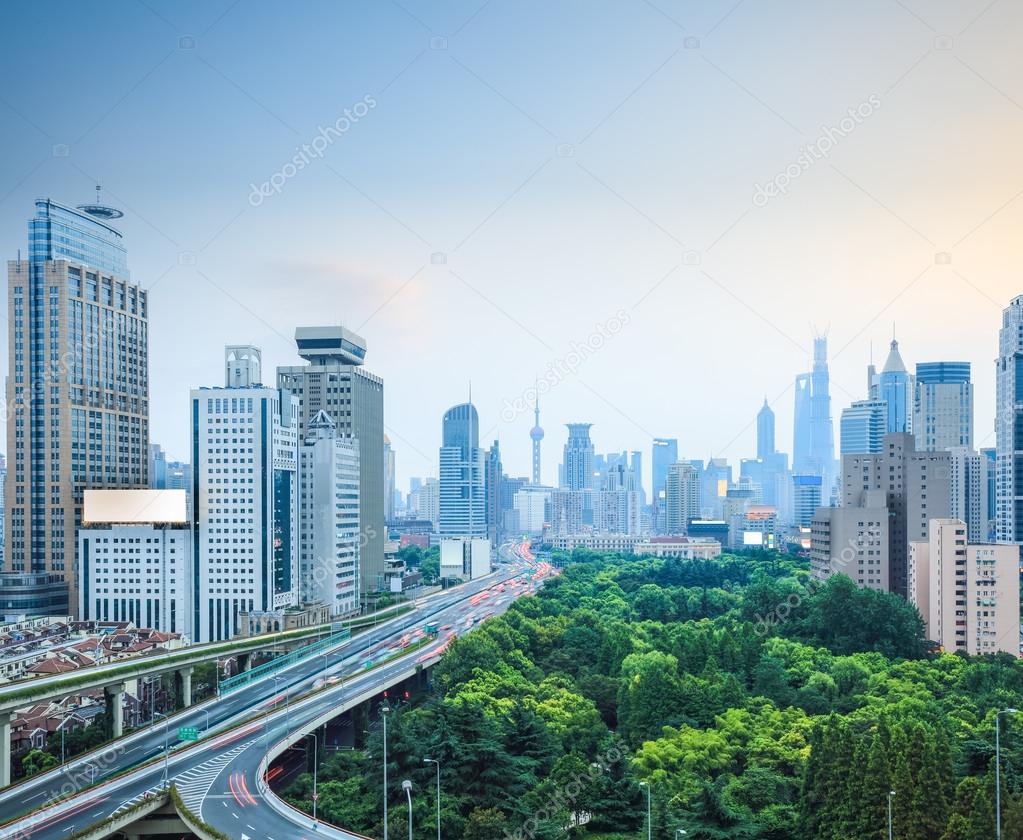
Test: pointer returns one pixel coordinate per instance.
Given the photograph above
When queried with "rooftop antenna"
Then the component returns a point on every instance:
(99, 210)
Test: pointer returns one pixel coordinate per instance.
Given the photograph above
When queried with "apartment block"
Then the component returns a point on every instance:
(967, 593)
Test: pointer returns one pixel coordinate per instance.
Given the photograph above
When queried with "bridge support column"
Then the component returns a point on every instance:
(5, 748)
(185, 675)
(115, 707)
(244, 662)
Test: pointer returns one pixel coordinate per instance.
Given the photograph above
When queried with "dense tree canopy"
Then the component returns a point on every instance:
(752, 701)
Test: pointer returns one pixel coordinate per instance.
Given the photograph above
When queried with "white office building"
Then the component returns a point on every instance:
(135, 559)
(530, 505)
(329, 541)
(245, 506)
(464, 558)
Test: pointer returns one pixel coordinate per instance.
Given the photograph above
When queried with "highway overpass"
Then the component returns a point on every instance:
(241, 731)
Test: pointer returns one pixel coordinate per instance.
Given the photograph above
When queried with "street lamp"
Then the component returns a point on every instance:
(679, 832)
(998, 771)
(383, 716)
(648, 826)
(435, 761)
(315, 750)
(891, 795)
(166, 748)
(407, 787)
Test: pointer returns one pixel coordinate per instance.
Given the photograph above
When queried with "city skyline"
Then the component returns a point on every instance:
(436, 252)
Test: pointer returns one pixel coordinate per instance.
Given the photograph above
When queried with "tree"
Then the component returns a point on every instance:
(36, 761)
(650, 695)
(484, 824)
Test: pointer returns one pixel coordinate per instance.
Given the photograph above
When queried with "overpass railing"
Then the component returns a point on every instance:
(280, 662)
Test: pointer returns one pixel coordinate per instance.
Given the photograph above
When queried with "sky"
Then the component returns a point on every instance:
(651, 205)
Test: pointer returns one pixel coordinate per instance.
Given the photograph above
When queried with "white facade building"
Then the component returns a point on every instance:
(530, 505)
(135, 559)
(245, 506)
(465, 559)
(329, 535)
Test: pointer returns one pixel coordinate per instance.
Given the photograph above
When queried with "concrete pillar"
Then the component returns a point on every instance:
(186, 687)
(115, 706)
(5, 748)
(244, 662)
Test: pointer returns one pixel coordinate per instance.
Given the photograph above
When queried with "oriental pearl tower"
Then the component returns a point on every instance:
(536, 434)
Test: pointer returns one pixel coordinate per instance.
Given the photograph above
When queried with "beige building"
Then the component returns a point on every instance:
(852, 541)
(684, 548)
(967, 594)
(77, 387)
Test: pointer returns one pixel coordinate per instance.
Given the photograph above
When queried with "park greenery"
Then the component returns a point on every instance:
(744, 699)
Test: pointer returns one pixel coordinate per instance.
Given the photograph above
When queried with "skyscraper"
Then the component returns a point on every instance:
(493, 475)
(579, 455)
(765, 432)
(335, 381)
(895, 390)
(863, 427)
(388, 480)
(681, 497)
(665, 453)
(78, 385)
(245, 485)
(463, 510)
(1009, 426)
(328, 525)
(536, 435)
(813, 450)
(943, 408)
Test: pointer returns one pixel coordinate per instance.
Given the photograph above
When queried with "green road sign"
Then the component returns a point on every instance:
(188, 733)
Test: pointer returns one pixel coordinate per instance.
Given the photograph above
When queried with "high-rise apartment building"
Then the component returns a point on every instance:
(77, 387)
(1009, 426)
(863, 427)
(852, 541)
(943, 406)
(578, 463)
(463, 508)
(244, 506)
(967, 593)
(968, 491)
(990, 460)
(681, 497)
(335, 381)
(328, 525)
(917, 487)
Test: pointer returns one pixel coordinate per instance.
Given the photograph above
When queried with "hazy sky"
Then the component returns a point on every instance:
(517, 177)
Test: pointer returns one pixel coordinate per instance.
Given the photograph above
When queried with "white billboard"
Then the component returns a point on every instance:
(122, 507)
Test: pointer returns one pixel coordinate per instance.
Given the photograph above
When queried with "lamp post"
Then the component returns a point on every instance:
(166, 748)
(891, 795)
(998, 771)
(679, 832)
(315, 750)
(407, 787)
(648, 825)
(383, 715)
(435, 761)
